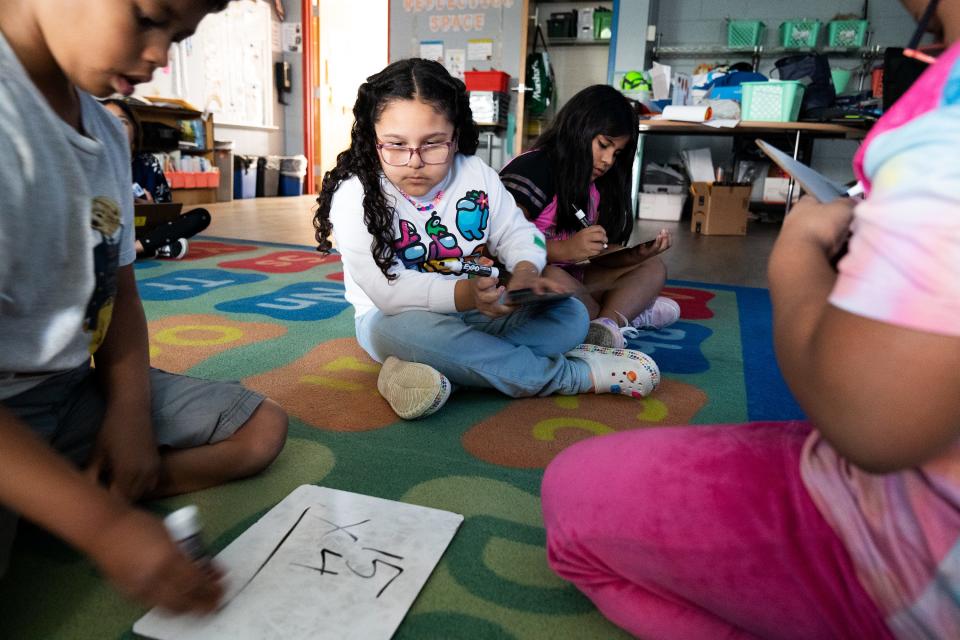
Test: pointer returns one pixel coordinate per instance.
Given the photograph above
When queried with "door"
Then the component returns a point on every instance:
(352, 45)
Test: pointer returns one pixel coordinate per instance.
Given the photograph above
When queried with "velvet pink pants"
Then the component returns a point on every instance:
(703, 532)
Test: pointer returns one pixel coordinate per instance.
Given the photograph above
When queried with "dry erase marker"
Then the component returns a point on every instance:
(582, 217)
(183, 525)
(459, 266)
(855, 190)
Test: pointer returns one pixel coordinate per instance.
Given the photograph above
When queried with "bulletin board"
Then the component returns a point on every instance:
(225, 68)
(461, 26)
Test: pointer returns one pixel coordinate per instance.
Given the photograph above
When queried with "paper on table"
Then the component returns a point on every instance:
(722, 123)
(322, 563)
(687, 113)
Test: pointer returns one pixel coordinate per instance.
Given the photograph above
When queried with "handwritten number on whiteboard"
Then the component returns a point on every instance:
(323, 563)
(344, 528)
(373, 565)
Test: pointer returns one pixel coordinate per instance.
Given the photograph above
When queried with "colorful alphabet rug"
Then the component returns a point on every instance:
(274, 316)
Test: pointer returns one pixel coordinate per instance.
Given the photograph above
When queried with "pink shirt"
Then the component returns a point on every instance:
(903, 529)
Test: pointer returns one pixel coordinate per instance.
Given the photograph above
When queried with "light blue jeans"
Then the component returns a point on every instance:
(520, 354)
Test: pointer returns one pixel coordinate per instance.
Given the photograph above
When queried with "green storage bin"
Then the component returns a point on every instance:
(799, 33)
(602, 24)
(772, 101)
(847, 33)
(744, 33)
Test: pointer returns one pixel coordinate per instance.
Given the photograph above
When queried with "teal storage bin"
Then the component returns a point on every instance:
(772, 101)
(744, 33)
(847, 33)
(795, 34)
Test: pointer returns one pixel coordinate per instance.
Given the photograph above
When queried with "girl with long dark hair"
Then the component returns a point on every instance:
(575, 186)
(410, 208)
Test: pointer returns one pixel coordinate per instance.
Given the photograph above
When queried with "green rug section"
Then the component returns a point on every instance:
(278, 322)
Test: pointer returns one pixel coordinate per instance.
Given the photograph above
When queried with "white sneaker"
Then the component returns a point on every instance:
(175, 250)
(624, 371)
(604, 332)
(413, 390)
(662, 313)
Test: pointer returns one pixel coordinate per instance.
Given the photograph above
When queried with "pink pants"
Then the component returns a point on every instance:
(703, 532)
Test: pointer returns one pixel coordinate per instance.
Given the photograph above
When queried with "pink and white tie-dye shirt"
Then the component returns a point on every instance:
(903, 268)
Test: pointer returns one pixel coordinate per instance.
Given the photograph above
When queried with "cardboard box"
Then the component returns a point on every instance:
(661, 206)
(720, 209)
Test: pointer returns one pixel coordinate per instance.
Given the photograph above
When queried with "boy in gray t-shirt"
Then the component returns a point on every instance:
(67, 291)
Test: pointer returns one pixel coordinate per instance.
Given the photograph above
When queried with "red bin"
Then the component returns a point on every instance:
(492, 80)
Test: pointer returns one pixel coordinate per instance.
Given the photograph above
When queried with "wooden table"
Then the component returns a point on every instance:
(799, 130)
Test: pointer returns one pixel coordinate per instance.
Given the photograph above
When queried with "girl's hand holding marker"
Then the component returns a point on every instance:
(589, 242)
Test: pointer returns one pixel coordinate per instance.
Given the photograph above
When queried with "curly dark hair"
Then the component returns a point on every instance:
(411, 79)
(568, 144)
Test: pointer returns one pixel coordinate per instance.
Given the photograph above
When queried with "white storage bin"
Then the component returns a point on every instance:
(661, 206)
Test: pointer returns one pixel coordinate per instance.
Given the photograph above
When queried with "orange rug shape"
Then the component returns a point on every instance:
(332, 387)
(529, 433)
(178, 343)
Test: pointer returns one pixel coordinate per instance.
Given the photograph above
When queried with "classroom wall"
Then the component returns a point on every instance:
(292, 122)
(201, 57)
(691, 22)
(412, 21)
(262, 141)
(631, 48)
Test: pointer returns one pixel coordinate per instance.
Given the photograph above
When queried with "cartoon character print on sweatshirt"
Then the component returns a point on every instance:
(473, 213)
(408, 247)
(443, 244)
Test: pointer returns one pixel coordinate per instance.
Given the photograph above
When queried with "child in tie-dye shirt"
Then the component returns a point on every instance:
(844, 527)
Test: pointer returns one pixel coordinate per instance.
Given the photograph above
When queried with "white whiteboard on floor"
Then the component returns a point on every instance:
(224, 68)
(321, 564)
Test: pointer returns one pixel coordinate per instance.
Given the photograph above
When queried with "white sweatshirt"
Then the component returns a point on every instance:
(476, 213)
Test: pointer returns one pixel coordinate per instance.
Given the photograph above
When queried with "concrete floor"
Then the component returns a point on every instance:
(736, 260)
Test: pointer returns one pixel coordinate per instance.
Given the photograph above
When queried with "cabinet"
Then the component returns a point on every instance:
(187, 187)
(577, 62)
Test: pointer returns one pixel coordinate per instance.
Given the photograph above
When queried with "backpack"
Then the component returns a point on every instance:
(813, 70)
(539, 78)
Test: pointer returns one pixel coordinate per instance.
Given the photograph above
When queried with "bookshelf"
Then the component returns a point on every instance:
(187, 188)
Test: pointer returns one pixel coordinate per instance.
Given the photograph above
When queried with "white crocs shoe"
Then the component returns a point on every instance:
(662, 313)
(413, 390)
(623, 371)
(604, 332)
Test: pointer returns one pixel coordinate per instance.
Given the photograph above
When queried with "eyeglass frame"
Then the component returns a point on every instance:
(415, 150)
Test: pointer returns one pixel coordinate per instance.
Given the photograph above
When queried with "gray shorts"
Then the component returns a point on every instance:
(67, 410)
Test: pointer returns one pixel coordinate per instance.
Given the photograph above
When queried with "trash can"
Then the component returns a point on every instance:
(261, 172)
(244, 176)
(223, 158)
(268, 176)
(292, 171)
